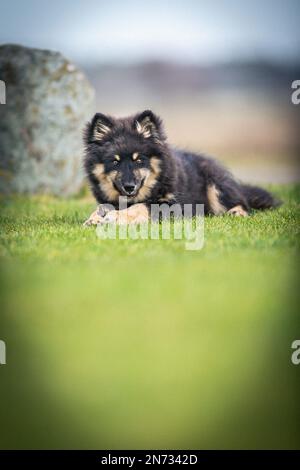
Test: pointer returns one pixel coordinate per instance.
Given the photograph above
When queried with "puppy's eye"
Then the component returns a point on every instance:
(116, 162)
(139, 160)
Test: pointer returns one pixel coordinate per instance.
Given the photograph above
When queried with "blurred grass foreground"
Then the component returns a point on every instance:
(141, 344)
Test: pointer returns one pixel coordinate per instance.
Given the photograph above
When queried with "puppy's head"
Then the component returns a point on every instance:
(123, 156)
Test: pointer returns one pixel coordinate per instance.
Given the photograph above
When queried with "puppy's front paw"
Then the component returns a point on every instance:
(136, 214)
(96, 217)
(111, 217)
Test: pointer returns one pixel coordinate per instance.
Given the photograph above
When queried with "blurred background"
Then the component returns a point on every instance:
(219, 73)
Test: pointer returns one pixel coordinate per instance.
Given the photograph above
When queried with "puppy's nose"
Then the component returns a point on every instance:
(129, 187)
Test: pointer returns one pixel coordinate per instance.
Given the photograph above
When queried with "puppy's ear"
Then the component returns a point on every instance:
(149, 125)
(100, 127)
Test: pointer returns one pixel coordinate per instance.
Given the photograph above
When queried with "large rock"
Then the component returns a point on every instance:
(48, 102)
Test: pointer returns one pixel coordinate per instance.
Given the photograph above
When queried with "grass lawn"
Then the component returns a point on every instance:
(143, 344)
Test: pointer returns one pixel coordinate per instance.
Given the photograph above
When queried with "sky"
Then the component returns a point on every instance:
(128, 31)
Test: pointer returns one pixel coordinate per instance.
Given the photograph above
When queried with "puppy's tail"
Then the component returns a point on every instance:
(259, 198)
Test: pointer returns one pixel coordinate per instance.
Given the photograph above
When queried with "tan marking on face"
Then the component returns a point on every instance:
(98, 170)
(213, 199)
(150, 179)
(117, 157)
(238, 211)
(155, 165)
(141, 173)
(106, 182)
(135, 156)
(168, 197)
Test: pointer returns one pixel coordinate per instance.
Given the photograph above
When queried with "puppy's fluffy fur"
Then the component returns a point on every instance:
(131, 157)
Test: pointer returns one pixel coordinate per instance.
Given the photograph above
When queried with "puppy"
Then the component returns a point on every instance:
(130, 157)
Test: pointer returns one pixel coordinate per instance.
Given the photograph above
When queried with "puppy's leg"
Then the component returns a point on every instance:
(215, 206)
(238, 211)
(226, 197)
(97, 216)
(136, 214)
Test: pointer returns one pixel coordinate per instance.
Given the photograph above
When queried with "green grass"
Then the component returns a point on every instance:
(143, 344)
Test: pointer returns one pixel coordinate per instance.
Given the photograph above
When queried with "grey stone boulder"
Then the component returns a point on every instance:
(48, 102)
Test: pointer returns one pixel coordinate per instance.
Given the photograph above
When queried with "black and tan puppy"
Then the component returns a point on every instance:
(130, 157)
